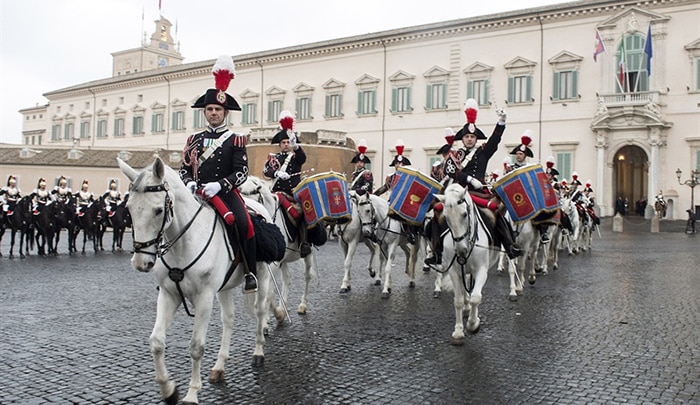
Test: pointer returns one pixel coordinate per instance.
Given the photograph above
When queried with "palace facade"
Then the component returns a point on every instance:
(626, 121)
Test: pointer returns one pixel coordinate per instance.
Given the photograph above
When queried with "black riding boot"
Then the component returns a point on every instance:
(507, 239)
(249, 255)
(435, 256)
(544, 234)
(304, 246)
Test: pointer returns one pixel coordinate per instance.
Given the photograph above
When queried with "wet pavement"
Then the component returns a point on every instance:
(617, 324)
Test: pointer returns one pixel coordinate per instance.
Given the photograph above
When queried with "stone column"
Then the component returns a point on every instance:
(654, 143)
(601, 186)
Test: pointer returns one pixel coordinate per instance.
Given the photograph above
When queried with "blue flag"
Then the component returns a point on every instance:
(647, 49)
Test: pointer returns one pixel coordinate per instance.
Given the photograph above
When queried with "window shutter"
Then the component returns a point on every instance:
(394, 99)
(555, 86)
(574, 83)
(340, 105)
(360, 99)
(470, 89)
(443, 94)
(528, 93)
(328, 105)
(511, 89)
(373, 98)
(409, 105)
(429, 97)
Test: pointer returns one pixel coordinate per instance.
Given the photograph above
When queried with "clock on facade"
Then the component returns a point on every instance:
(162, 62)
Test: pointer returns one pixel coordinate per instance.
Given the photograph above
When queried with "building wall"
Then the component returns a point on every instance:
(669, 129)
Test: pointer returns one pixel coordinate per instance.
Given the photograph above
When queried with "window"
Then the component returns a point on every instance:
(56, 132)
(178, 123)
(198, 118)
(519, 89)
(303, 107)
(68, 131)
(436, 98)
(366, 100)
(137, 126)
(249, 112)
(274, 108)
(400, 99)
(565, 85)
(631, 67)
(563, 165)
(85, 130)
(119, 127)
(479, 91)
(101, 128)
(157, 122)
(334, 105)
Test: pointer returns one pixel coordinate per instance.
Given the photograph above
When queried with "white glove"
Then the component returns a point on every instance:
(501, 116)
(475, 182)
(292, 140)
(192, 186)
(210, 189)
(282, 175)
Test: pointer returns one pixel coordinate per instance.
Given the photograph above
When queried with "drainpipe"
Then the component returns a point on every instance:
(167, 115)
(262, 84)
(383, 113)
(539, 119)
(94, 118)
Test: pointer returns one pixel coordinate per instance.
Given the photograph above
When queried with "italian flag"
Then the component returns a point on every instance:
(621, 73)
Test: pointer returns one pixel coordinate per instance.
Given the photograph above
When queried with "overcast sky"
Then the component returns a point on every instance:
(47, 45)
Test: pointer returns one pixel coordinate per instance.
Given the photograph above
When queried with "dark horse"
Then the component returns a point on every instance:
(118, 219)
(91, 222)
(65, 219)
(45, 226)
(20, 221)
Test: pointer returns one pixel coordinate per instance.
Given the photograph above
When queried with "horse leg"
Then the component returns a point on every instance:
(374, 251)
(165, 312)
(279, 312)
(260, 305)
(309, 269)
(203, 306)
(410, 271)
(502, 263)
(475, 298)
(225, 298)
(516, 288)
(437, 290)
(459, 300)
(349, 251)
(389, 261)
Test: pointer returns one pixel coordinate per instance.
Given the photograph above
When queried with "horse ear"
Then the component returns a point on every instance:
(159, 168)
(128, 171)
(440, 197)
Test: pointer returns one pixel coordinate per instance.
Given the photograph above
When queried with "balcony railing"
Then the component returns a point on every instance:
(629, 99)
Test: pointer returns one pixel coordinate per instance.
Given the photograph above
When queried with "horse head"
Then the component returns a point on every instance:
(154, 193)
(367, 214)
(460, 216)
(255, 189)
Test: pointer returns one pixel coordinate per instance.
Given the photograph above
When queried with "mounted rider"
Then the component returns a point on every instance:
(284, 167)
(215, 164)
(361, 180)
(112, 197)
(83, 198)
(40, 196)
(62, 192)
(473, 163)
(11, 194)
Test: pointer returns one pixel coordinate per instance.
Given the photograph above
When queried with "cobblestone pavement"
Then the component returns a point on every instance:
(618, 324)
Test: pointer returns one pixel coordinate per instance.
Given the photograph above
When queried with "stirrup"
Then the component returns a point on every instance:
(251, 284)
(304, 249)
(433, 259)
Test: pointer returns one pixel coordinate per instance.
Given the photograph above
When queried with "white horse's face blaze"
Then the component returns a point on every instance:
(457, 218)
(366, 214)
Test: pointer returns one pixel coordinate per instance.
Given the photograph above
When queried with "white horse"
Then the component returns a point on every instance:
(255, 189)
(374, 214)
(350, 235)
(468, 256)
(571, 239)
(184, 242)
(587, 225)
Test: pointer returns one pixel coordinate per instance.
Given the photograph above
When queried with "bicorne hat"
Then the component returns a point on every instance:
(361, 150)
(471, 108)
(224, 71)
(550, 167)
(525, 142)
(287, 128)
(449, 138)
(574, 179)
(399, 158)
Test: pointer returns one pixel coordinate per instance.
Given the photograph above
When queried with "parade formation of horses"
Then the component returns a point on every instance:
(18, 220)
(376, 223)
(118, 219)
(469, 253)
(183, 241)
(255, 189)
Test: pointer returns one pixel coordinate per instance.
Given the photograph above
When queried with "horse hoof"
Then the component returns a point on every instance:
(436, 294)
(301, 310)
(555, 267)
(412, 284)
(545, 272)
(372, 273)
(531, 281)
(216, 376)
(457, 342)
(173, 398)
(266, 331)
(345, 290)
(385, 295)
(475, 330)
(377, 282)
(426, 269)
(513, 298)
(258, 361)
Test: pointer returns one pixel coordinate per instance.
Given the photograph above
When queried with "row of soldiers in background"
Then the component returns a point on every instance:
(41, 195)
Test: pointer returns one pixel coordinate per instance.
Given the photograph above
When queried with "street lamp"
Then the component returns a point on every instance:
(692, 182)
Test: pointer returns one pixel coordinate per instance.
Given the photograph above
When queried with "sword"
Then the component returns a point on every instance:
(303, 172)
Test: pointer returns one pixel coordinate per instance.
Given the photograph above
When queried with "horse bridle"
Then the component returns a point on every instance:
(168, 210)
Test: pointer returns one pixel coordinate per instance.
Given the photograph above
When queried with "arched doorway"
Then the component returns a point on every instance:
(631, 178)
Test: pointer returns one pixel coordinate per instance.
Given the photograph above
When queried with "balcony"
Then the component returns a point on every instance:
(638, 99)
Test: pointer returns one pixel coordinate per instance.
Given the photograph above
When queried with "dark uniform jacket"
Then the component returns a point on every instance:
(362, 181)
(476, 167)
(388, 184)
(228, 165)
(274, 164)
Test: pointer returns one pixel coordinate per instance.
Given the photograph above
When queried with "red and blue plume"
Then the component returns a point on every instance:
(471, 108)
(224, 71)
(286, 120)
